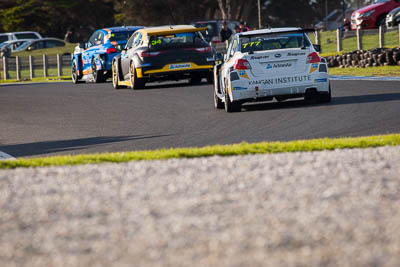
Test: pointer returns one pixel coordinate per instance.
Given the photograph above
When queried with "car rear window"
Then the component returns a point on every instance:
(120, 36)
(26, 36)
(272, 41)
(176, 40)
(212, 29)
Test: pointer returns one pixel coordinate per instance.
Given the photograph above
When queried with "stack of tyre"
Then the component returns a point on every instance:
(364, 59)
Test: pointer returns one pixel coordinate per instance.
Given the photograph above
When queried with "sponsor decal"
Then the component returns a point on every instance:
(282, 80)
(259, 57)
(321, 80)
(278, 55)
(243, 74)
(313, 68)
(238, 88)
(278, 65)
(179, 66)
(296, 54)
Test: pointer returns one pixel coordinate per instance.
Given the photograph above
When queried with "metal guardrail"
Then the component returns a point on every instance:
(33, 65)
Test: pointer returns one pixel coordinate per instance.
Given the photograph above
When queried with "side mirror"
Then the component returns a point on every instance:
(82, 45)
(317, 48)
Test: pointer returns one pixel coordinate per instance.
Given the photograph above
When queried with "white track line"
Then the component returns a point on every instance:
(5, 156)
(362, 78)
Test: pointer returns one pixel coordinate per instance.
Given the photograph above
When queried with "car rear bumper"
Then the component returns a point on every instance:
(174, 71)
(260, 92)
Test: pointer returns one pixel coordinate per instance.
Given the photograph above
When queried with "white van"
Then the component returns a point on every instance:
(8, 36)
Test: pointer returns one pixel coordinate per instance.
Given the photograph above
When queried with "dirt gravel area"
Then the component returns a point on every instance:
(336, 208)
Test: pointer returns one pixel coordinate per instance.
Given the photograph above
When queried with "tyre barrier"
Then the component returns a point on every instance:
(366, 58)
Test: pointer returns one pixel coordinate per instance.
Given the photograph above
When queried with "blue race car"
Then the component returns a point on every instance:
(92, 61)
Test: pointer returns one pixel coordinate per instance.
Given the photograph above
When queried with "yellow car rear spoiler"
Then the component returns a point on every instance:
(174, 31)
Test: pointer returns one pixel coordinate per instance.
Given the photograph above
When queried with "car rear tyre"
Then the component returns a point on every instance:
(195, 79)
(136, 83)
(97, 75)
(232, 106)
(210, 77)
(311, 96)
(326, 98)
(218, 102)
(115, 75)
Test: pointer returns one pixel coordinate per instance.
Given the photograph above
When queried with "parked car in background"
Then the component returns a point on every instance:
(40, 44)
(171, 52)
(92, 61)
(14, 44)
(214, 29)
(372, 16)
(8, 36)
(393, 18)
(334, 20)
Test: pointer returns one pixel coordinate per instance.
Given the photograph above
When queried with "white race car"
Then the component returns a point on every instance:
(278, 63)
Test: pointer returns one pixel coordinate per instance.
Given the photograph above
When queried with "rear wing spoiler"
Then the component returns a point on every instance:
(175, 31)
(302, 31)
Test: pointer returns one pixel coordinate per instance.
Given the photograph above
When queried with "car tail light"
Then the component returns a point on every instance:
(242, 64)
(149, 54)
(313, 58)
(216, 39)
(201, 49)
(111, 50)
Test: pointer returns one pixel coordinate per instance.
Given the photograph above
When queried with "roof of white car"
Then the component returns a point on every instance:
(18, 40)
(270, 30)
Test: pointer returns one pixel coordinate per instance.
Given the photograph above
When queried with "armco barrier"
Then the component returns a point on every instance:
(23, 68)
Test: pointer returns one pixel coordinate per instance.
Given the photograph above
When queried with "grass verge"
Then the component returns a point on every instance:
(38, 80)
(391, 71)
(219, 150)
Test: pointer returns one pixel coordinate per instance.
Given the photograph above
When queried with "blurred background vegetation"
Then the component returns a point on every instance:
(52, 18)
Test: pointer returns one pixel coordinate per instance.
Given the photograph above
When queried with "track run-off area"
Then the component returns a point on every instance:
(326, 208)
(64, 118)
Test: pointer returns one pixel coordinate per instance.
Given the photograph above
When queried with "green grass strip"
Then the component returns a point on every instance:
(389, 71)
(220, 150)
(39, 80)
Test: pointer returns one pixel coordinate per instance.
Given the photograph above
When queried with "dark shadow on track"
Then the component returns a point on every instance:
(336, 100)
(168, 84)
(46, 147)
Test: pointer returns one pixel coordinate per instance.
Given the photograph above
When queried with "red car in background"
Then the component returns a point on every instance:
(372, 16)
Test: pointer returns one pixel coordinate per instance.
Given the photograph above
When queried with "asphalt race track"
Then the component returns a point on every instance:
(64, 118)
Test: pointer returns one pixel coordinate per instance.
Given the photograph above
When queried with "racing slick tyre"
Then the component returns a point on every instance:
(97, 75)
(74, 73)
(210, 78)
(136, 83)
(232, 106)
(326, 98)
(115, 75)
(218, 102)
(311, 96)
(195, 78)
